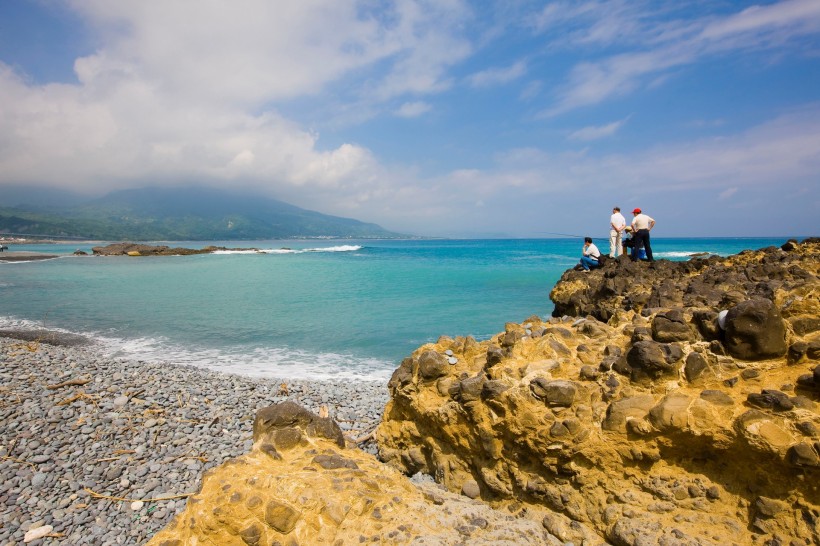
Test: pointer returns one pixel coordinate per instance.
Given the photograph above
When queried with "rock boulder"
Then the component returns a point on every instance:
(755, 330)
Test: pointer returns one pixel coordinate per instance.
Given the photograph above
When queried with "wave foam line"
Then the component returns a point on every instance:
(682, 253)
(341, 248)
(267, 362)
(259, 362)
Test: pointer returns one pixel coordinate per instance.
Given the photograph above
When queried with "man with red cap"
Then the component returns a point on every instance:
(641, 226)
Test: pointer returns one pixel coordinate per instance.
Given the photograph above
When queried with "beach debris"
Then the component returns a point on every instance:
(126, 499)
(323, 411)
(68, 383)
(364, 438)
(37, 532)
(283, 390)
(79, 396)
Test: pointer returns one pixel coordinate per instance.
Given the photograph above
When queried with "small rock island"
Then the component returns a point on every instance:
(137, 249)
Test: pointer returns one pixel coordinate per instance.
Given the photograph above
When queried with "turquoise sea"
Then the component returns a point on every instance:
(302, 308)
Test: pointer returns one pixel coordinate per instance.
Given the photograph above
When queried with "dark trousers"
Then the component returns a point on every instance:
(641, 239)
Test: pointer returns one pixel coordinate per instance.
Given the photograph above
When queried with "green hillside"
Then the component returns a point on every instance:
(180, 214)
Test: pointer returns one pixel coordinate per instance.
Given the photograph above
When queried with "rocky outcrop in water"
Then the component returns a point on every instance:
(709, 283)
(136, 249)
(640, 413)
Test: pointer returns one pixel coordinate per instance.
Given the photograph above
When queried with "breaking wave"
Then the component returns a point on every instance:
(341, 248)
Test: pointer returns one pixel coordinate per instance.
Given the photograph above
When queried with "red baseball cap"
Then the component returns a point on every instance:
(636, 211)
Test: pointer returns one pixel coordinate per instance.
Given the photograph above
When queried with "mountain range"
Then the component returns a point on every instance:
(181, 214)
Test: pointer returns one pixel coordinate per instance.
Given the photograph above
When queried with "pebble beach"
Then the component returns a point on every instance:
(96, 450)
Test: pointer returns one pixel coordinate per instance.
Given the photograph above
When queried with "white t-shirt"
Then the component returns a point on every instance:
(642, 221)
(617, 220)
(592, 251)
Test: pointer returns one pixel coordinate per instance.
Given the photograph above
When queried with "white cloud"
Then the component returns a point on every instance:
(413, 109)
(597, 132)
(656, 48)
(727, 193)
(184, 91)
(531, 90)
(799, 15)
(244, 51)
(498, 76)
(531, 186)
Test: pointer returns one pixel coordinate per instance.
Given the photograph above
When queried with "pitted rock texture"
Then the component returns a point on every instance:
(712, 283)
(300, 486)
(643, 429)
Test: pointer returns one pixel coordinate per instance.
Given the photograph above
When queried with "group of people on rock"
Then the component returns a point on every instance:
(637, 239)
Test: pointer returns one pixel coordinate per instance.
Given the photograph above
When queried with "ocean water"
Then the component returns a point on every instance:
(303, 308)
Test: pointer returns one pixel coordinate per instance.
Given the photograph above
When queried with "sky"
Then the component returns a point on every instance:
(508, 118)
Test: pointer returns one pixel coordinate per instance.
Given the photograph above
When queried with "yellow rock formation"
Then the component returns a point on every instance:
(622, 433)
(300, 486)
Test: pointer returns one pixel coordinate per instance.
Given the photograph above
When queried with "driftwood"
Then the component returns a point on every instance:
(68, 383)
(126, 499)
(362, 439)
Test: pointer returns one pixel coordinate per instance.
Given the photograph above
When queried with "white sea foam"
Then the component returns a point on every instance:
(13, 323)
(680, 253)
(267, 362)
(340, 248)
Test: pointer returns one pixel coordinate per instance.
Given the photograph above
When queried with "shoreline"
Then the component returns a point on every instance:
(25, 256)
(82, 430)
(289, 367)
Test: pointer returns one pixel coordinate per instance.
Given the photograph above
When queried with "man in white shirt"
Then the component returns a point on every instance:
(617, 223)
(641, 226)
(590, 254)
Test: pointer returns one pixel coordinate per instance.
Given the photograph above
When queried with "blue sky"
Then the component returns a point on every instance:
(443, 117)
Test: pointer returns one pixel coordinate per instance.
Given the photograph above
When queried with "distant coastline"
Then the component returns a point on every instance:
(10, 239)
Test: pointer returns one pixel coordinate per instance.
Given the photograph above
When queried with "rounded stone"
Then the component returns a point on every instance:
(471, 489)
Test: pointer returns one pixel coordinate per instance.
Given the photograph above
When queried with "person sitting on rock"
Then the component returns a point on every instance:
(591, 255)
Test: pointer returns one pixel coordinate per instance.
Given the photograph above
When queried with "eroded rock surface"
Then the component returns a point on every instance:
(633, 415)
(300, 485)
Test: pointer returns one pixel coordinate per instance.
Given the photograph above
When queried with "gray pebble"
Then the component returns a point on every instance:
(38, 480)
(135, 448)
